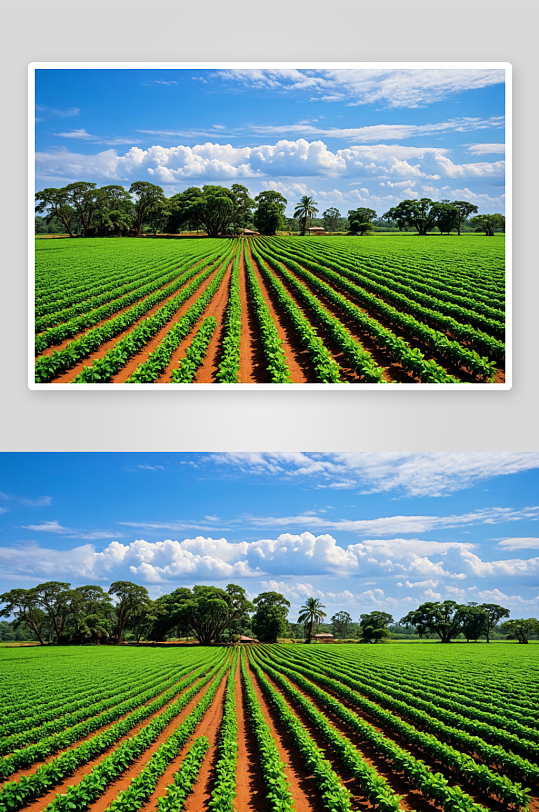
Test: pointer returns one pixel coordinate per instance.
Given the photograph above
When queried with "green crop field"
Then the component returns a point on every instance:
(380, 309)
(270, 728)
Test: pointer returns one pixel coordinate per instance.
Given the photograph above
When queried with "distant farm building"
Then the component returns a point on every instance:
(323, 637)
(316, 230)
(248, 233)
(245, 639)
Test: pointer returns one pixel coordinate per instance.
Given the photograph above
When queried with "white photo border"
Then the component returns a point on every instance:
(505, 66)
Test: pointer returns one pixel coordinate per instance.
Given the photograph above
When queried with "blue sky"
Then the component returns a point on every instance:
(347, 137)
(362, 531)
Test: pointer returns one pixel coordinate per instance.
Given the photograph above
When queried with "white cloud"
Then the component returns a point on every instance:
(54, 111)
(486, 149)
(519, 544)
(56, 528)
(417, 563)
(290, 159)
(416, 474)
(82, 135)
(40, 501)
(390, 87)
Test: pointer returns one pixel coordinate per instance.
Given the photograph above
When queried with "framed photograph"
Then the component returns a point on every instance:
(270, 225)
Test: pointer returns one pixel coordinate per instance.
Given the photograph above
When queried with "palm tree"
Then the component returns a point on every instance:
(306, 210)
(311, 613)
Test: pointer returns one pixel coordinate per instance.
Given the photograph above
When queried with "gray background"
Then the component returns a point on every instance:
(129, 30)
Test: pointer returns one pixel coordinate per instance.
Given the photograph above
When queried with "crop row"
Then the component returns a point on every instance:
(440, 699)
(276, 361)
(49, 367)
(412, 360)
(55, 335)
(410, 277)
(113, 698)
(360, 359)
(229, 364)
(334, 794)
(143, 785)
(102, 294)
(16, 794)
(482, 368)
(326, 368)
(408, 296)
(273, 768)
(433, 785)
(195, 353)
(460, 764)
(224, 791)
(184, 779)
(435, 717)
(158, 360)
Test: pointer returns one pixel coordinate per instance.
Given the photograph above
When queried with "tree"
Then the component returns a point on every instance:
(360, 220)
(488, 223)
(114, 210)
(447, 216)
(474, 621)
(269, 215)
(56, 203)
(443, 619)
(83, 196)
(131, 600)
(91, 615)
(373, 626)
(56, 600)
(419, 214)
(341, 623)
(180, 213)
(305, 210)
(311, 613)
(331, 218)
(218, 207)
(521, 629)
(464, 210)
(147, 195)
(493, 614)
(24, 604)
(206, 611)
(270, 619)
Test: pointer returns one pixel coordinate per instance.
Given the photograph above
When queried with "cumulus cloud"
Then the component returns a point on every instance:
(415, 474)
(418, 563)
(391, 87)
(300, 159)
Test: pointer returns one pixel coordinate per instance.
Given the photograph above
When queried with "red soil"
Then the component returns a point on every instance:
(413, 797)
(209, 726)
(216, 308)
(65, 342)
(41, 802)
(250, 785)
(301, 368)
(303, 786)
(253, 368)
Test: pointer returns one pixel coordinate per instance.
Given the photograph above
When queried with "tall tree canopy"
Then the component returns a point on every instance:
(269, 214)
(311, 613)
(488, 223)
(443, 619)
(56, 203)
(331, 218)
(373, 626)
(24, 604)
(419, 214)
(206, 611)
(147, 197)
(464, 211)
(218, 207)
(361, 220)
(341, 623)
(521, 629)
(131, 600)
(270, 619)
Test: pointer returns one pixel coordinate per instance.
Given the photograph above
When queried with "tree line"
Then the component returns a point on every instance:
(83, 209)
(55, 612)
